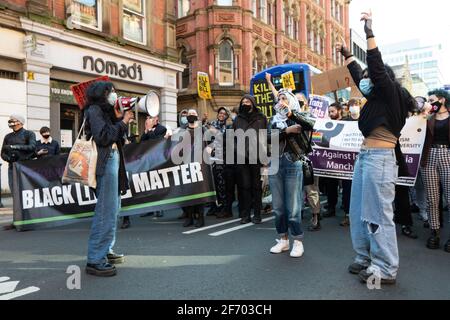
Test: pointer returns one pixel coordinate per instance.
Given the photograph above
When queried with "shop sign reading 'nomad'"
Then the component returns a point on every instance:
(133, 72)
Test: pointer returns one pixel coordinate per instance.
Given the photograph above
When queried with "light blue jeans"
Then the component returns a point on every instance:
(104, 223)
(286, 186)
(371, 212)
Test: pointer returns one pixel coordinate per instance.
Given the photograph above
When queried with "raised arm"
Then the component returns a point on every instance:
(271, 86)
(377, 70)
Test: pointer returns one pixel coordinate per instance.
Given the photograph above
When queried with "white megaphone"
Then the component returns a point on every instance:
(149, 104)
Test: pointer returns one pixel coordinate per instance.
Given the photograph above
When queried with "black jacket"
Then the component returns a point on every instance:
(17, 146)
(158, 132)
(254, 120)
(297, 145)
(106, 133)
(52, 147)
(386, 104)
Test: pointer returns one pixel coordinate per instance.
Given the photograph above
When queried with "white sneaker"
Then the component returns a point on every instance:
(281, 246)
(297, 249)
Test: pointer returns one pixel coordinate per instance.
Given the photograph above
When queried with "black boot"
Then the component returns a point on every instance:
(447, 246)
(315, 223)
(189, 221)
(407, 231)
(433, 241)
(199, 219)
(125, 222)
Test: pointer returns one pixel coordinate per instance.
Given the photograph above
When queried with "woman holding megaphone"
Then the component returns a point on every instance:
(107, 125)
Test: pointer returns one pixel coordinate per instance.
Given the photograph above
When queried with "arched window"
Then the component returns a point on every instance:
(186, 74)
(225, 63)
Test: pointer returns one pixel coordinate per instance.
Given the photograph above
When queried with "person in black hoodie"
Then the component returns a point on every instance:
(373, 231)
(249, 173)
(108, 128)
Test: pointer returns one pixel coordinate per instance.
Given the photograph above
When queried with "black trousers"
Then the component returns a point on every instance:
(402, 212)
(230, 173)
(220, 184)
(249, 189)
(332, 189)
(346, 195)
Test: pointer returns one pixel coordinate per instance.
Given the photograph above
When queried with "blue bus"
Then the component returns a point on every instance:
(262, 93)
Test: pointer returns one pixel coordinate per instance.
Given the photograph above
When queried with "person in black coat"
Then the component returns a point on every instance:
(249, 171)
(18, 145)
(108, 127)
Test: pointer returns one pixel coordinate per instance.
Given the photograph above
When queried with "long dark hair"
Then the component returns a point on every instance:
(97, 94)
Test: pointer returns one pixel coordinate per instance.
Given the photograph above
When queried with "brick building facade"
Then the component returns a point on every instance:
(234, 39)
(48, 45)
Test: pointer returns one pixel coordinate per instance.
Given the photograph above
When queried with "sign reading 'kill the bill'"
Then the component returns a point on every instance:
(204, 88)
(263, 97)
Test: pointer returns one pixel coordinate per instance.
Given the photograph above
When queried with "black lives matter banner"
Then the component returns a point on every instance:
(156, 183)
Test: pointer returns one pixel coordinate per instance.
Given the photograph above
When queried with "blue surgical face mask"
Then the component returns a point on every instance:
(183, 120)
(366, 86)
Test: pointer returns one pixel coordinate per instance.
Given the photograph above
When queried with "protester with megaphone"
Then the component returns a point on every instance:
(108, 126)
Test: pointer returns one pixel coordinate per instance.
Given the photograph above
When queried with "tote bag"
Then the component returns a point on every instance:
(82, 162)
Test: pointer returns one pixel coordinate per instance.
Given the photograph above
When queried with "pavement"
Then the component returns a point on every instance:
(224, 260)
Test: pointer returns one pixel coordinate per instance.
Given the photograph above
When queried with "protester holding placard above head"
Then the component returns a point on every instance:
(376, 171)
(436, 162)
(287, 183)
(107, 126)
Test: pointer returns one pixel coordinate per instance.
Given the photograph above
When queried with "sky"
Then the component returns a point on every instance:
(401, 20)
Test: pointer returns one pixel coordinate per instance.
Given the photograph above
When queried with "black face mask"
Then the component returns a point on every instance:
(45, 136)
(246, 108)
(192, 119)
(436, 106)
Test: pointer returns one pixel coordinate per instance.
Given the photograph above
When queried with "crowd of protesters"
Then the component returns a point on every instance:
(372, 203)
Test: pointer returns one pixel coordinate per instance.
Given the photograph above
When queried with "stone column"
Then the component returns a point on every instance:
(37, 72)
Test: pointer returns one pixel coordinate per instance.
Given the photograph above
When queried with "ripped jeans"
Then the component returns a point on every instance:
(371, 212)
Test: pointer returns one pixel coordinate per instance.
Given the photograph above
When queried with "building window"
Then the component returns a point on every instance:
(224, 2)
(311, 39)
(254, 66)
(296, 30)
(87, 13)
(186, 74)
(225, 64)
(270, 14)
(134, 25)
(263, 10)
(255, 8)
(183, 8)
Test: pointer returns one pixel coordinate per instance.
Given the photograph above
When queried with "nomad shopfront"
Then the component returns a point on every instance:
(51, 60)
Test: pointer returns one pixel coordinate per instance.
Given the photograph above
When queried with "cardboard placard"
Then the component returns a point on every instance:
(332, 80)
(79, 90)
